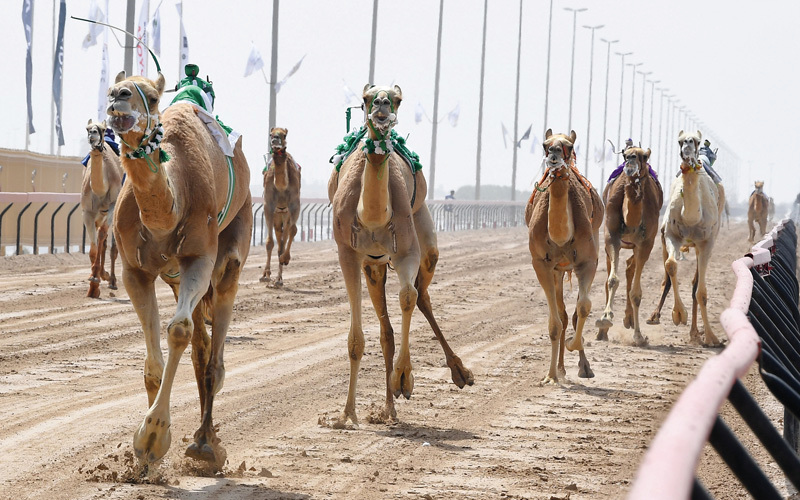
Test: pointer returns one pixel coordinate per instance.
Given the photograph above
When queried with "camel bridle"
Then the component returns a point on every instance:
(151, 140)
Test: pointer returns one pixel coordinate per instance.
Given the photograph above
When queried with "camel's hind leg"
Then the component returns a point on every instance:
(679, 315)
(655, 318)
(349, 261)
(94, 249)
(602, 333)
(429, 256)
(233, 248)
(376, 284)
(270, 244)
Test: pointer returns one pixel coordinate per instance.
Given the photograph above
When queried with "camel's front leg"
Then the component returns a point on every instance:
(407, 267)
(655, 318)
(703, 253)
(141, 290)
(289, 233)
(280, 235)
(112, 279)
(95, 250)
(612, 260)
(376, 284)
(270, 245)
(558, 278)
(585, 274)
(350, 262)
(545, 275)
(679, 315)
(152, 439)
(640, 255)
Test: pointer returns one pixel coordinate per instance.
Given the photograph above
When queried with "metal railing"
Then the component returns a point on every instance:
(763, 325)
(28, 230)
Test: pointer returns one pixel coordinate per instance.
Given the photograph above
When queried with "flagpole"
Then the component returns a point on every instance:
(274, 66)
(516, 111)
(372, 46)
(480, 106)
(27, 123)
(130, 27)
(436, 103)
(180, 43)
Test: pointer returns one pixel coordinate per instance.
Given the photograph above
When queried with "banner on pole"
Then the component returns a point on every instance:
(254, 61)
(27, 24)
(58, 69)
(141, 33)
(184, 40)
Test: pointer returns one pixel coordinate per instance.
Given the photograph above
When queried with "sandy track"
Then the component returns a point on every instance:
(71, 388)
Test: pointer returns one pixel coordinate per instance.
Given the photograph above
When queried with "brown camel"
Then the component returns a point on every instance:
(102, 181)
(564, 216)
(757, 211)
(632, 202)
(693, 219)
(281, 202)
(184, 214)
(380, 217)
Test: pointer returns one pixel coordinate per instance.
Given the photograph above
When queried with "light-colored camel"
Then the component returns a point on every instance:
(632, 202)
(184, 214)
(380, 217)
(692, 219)
(281, 202)
(102, 181)
(563, 217)
(757, 211)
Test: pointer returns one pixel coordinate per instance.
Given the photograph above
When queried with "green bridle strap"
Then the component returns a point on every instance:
(156, 134)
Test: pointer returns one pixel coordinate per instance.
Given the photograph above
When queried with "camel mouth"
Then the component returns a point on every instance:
(121, 123)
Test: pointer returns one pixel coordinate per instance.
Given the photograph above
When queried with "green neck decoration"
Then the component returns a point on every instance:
(395, 143)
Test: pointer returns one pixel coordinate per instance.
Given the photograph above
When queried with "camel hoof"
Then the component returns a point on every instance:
(604, 322)
(639, 340)
(403, 383)
(152, 439)
(655, 319)
(628, 322)
(584, 371)
(112, 285)
(602, 334)
(94, 280)
(572, 345)
(104, 275)
(202, 452)
(339, 422)
(679, 316)
(278, 283)
(94, 291)
(548, 380)
(461, 375)
(264, 279)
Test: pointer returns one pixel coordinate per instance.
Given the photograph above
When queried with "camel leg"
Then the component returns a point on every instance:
(630, 268)
(152, 439)
(562, 314)
(349, 261)
(141, 290)
(694, 332)
(752, 228)
(407, 268)
(547, 280)
(584, 307)
(612, 261)
(602, 333)
(636, 266)
(679, 315)
(91, 235)
(429, 256)
(703, 255)
(289, 233)
(270, 244)
(655, 318)
(376, 284)
(280, 235)
(112, 279)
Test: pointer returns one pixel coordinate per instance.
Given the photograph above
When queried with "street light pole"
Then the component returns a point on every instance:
(572, 67)
(621, 87)
(435, 120)
(652, 97)
(589, 118)
(480, 106)
(641, 122)
(633, 90)
(547, 76)
(662, 165)
(516, 111)
(605, 107)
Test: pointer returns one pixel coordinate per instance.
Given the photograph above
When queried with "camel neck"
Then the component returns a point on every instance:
(559, 213)
(98, 177)
(374, 204)
(154, 195)
(281, 174)
(692, 211)
(632, 204)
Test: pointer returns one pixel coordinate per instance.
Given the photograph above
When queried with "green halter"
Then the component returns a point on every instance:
(151, 140)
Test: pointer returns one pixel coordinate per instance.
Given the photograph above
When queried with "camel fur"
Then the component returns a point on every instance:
(375, 224)
(171, 222)
(632, 203)
(758, 208)
(281, 202)
(692, 219)
(563, 217)
(102, 181)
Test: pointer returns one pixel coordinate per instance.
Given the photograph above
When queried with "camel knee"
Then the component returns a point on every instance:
(408, 298)
(229, 275)
(671, 266)
(270, 243)
(584, 307)
(431, 259)
(355, 347)
(179, 333)
(613, 282)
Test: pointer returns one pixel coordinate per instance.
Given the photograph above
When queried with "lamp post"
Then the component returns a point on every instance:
(621, 87)
(572, 67)
(436, 103)
(644, 83)
(589, 118)
(652, 97)
(633, 90)
(661, 165)
(605, 107)
(547, 75)
(480, 106)
(516, 111)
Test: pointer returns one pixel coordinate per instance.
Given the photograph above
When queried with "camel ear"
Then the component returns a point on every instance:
(647, 155)
(572, 136)
(548, 133)
(103, 124)
(160, 84)
(120, 76)
(699, 135)
(285, 132)
(398, 93)
(89, 122)
(367, 87)
(271, 130)
(680, 137)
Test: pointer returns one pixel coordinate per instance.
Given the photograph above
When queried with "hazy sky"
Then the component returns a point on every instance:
(732, 64)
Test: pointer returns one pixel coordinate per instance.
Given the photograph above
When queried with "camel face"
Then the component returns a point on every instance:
(558, 149)
(635, 161)
(95, 132)
(759, 185)
(277, 138)
(689, 143)
(133, 103)
(381, 104)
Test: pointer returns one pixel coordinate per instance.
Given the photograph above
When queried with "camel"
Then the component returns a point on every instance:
(281, 202)
(102, 181)
(758, 208)
(381, 219)
(632, 202)
(563, 216)
(692, 219)
(184, 214)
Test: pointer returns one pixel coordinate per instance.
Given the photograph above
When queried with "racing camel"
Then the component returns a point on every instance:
(184, 214)
(758, 208)
(563, 216)
(380, 217)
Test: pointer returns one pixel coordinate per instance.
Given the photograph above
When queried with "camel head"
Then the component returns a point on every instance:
(558, 149)
(689, 144)
(636, 162)
(133, 106)
(95, 132)
(759, 185)
(381, 105)
(277, 139)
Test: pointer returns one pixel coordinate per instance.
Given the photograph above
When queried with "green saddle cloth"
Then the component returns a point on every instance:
(194, 95)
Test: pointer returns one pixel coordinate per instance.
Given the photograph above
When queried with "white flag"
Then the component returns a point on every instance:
(525, 136)
(102, 91)
(452, 116)
(95, 14)
(254, 61)
(156, 31)
(184, 41)
(349, 95)
(289, 74)
(535, 145)
(505, 135)
(141, 33)
(418, 113)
